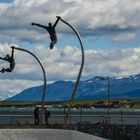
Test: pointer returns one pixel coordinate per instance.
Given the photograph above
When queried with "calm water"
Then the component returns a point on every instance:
(12, 115)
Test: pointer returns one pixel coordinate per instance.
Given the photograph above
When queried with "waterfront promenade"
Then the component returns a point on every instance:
(123, 123)
(24, 115)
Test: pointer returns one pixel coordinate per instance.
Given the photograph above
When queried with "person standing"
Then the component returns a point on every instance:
(47, 115)
(36, 115)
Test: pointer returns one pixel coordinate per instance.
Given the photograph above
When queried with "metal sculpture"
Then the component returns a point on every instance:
(11, 60)
(53, 37)
(51, 30)
(74, 93)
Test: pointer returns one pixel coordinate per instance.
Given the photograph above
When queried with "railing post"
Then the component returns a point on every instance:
(81, 113)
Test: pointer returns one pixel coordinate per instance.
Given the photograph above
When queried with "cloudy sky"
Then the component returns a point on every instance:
(110, 31)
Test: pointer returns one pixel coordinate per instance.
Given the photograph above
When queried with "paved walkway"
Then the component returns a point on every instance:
(44, 134)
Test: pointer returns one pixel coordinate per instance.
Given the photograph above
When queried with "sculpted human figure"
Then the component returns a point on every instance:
(51, 30)
(11, 60)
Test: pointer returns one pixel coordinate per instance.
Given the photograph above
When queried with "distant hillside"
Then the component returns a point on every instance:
(92, 89)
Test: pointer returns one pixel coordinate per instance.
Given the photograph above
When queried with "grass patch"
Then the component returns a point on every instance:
(132, 103)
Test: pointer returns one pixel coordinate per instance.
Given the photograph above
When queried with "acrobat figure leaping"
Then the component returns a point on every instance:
(11, 60)
(51, 29)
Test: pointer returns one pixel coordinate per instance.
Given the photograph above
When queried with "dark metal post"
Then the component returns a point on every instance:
(81, 113)
(137, 120)
(121, 118)
(44, 85)
(64, 112)
(108, 100)
(11, 120)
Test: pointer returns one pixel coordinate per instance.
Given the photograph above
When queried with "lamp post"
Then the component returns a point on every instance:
(44, 75)
(80, 70)
(108, 102)
(108, 98)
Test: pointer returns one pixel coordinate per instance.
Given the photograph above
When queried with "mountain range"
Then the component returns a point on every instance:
(91, 89)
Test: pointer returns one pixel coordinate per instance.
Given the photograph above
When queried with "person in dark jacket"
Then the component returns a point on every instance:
(36, 115)
(47, 115)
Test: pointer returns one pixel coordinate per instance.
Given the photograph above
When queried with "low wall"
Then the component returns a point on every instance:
(44, 134)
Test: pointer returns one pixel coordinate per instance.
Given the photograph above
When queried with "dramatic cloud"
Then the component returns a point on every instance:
(114, 63)
(124, 37)
(65, 63)
(99, 17)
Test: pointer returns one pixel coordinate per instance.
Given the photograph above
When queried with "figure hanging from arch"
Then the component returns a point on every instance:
(11, 60)
(51, 29)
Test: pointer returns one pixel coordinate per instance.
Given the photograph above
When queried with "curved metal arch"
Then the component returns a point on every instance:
(44, 75)
(80, 70)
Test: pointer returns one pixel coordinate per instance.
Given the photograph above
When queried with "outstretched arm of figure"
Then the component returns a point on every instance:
(39, 25)
(58, 18)
(3, 58)
(12, 54)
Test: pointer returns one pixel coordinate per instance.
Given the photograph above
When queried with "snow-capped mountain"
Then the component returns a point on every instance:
(91, 89)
